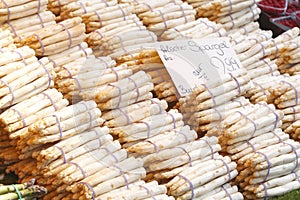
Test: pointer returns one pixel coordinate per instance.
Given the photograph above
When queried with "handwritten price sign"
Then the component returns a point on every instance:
(194, 62)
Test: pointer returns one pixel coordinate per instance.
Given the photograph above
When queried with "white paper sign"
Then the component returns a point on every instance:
(194, 62)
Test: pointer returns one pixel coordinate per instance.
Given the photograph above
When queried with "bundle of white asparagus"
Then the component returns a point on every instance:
(107, 16)
(76, 54)
(211, 97)
(248, 122)
(83, 7)
(200, 28)
(123, 41)
(21, 79)
(15, 120)
(139, 190)
(279, 43)
(84, 73)
(55, 6)
(148, 127)
(160, 16)
(288, 60)
(293, 128)
(25, 26)
(62, 124)
(14, 9)
(230, 13)
(291, 115)
(56, 38)
(149, 61)
(207, 179)
(125, 91)
(263, 152)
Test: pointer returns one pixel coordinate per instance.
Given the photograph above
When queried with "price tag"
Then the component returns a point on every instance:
(194, 62)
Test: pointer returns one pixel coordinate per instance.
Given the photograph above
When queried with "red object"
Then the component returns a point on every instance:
(273, 7)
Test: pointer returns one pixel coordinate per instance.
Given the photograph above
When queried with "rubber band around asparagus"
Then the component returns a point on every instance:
(173, 119)
(266, 158)
(99, 18)
(239, 102)
(41, 20)
(21, 115)
(187, 153)
(21, 56)
(261, 45)
(82, 6)
(211, 94)
(7, 8)
(120, 93)
(17, 191)
(294, 113)
(51, 100)
(210, 147)
(232, 21)
(125, 115)
(83, 172)
(154, 145)
(136, 88)
(41, 43)
(12, 28)
(59, 126)
(190, 184)
(89, 112)
(123, 175)
(213, 27)
(227, 167)
(122, 45)
(294, 88)
(261, 87)
(226, 191)
(47, 71)
(164, 20)
(296, 154)
(137, 24)
(237, 83)
(110, 153)
(84, 51)
(250, 120)
(148, 191)
(69, 34)
(10, 90)
(270, 68)
(184, 15)
(182, 133)
(39, 6)
(270, 109)
(123, 12)
(160, 108)
(62, 153)
(148, 128)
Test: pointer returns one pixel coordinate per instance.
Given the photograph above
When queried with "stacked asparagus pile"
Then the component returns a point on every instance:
(25, 190)
(11, 10)
(125, 91)
(73, 8)
(231, 14)
(263, 152)
(253, 53)
(200, 28)
(25, 26)
(199, 107)
(149, 61)
(56, 38)
(205, 180)
(22, 75)
(159, 16)
(55, 6)
(6, 38)
(93, 166)
(83, 73)
(16, 119)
